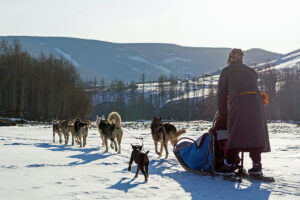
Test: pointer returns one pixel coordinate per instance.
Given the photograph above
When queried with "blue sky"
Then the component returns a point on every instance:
(269, 24)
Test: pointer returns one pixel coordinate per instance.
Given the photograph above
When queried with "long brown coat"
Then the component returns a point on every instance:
(247, 123)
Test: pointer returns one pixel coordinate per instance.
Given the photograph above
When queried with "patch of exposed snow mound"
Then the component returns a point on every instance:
(175, 59)
(67, 56)
(142, 60)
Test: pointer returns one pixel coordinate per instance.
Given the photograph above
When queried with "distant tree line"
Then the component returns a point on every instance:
(168, 97)
(40, 88)
(282, 86)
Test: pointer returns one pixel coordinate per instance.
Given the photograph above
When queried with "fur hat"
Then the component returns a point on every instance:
(235, 55)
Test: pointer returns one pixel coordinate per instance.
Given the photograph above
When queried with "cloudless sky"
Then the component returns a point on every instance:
(269, 24)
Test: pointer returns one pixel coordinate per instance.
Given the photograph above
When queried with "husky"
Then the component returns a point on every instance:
(164, 132)
(56, 130)
(72, 131)
(80, 132)
(63, 129)
(115, 118)
(141, 159)
(111, 129)
(99, 130)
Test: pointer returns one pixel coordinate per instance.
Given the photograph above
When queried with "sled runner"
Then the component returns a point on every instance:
(206, 155)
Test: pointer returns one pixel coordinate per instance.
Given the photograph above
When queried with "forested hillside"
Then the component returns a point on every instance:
(40, 88)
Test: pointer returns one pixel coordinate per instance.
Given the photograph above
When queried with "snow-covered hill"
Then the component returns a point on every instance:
(128, 61)
(33, 167)
(287, 61)
(197, 88)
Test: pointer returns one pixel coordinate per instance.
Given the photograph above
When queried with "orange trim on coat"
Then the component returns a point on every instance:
(262, 94)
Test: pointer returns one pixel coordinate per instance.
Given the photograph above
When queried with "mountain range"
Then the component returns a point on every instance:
(128, 61)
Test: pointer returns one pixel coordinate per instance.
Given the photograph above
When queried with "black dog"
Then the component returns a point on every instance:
(141, 159)
(108, 133)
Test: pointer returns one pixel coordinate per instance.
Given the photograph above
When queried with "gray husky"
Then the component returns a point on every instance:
(63, 130)
(56, 130)
(72, 131)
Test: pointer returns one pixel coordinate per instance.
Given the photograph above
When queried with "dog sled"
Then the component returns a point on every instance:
(206, 155)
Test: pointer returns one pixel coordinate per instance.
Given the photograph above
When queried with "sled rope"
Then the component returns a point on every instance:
(138, 138)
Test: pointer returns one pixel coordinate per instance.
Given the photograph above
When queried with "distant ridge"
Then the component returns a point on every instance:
(127, 61)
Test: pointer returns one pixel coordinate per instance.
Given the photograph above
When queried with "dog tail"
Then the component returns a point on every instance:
(115, 118)
(180, 132)
(146, 159)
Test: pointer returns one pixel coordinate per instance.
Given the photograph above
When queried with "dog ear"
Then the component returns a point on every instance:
(103, 117)
(154, 118)
(159, 118)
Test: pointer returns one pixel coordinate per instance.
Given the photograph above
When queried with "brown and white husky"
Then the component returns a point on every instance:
(164, 132)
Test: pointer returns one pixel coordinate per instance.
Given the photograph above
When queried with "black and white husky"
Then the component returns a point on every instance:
(111, 129)
(81, 132)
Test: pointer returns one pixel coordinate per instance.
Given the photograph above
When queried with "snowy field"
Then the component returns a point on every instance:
(33, 167)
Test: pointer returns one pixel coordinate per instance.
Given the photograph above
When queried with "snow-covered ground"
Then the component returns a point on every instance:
(33, 167)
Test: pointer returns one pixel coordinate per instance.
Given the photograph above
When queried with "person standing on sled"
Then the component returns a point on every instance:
(240, 101)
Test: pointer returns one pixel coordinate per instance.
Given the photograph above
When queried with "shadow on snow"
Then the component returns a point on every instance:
(204, 187)
(125, 186)
(84, 157)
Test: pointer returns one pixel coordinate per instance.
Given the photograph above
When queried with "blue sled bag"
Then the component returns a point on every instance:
(196, 155)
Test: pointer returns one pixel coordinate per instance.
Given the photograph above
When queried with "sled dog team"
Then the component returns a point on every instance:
(111, 129)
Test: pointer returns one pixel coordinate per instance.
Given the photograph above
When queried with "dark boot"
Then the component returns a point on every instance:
(256, 169)
(228, 169)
